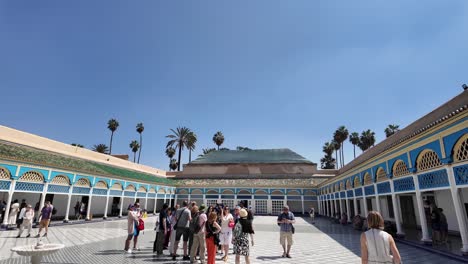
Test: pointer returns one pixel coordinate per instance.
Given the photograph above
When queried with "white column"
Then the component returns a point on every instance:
(67, 212)
(269, 205)
(165, 199)
(377, 199)
(204, 199)
(88, 212)
(146, 201)
(355, 203)
(333, 206)
(459, 210)
(43, 196)
(302, 201)
(341, 207)
(364, 200)
(348, 210)
(121, 204)
(155, 203)
(336, 207)
(8, 205)
(422, 215)
(396, 211)
(106, 207)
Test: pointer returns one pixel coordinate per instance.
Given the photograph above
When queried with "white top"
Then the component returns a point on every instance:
(225, 221)
(378, 246)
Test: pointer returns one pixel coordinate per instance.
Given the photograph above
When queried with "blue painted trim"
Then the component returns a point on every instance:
(5, 185)
(52, 188)
(391, 162)
(211, 196)
(81, 190)
(342, 194)
(23, 170)
(350, 193)
(115, 193)
(310, 198)
(11, 169)
(141, 194)
(414, 153)
(100, 192)
(283, 191)
(403, 184)
(461, 174)
(358, 192)
(434, 179)
(288, 191)
(118, 181)
(228, 196)
(369, 190)
(376, 167)
(54, 174)
(107, 181)
(79, 176)
(129, 194)
(383, 187)
(449, 142)
(277, 197)
(294, 198)
(29, 186)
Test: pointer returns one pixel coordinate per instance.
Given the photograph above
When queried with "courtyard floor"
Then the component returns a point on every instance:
(103, 242)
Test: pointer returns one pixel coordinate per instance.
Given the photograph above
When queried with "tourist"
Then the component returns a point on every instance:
(27, 216)
(344, 218)
(173, 232)
(377, 244)
(2, 210)
(183, 218)
(312, 214)
(199, 237)
(236, 214)
(45, 215)
(242, 230)
(435, 224)
(443, 226)
(168, 227)
(83, 210)
(227, 223)
(132, 227)
(158, 245)
(212, 229)
(285, 221)
(193, 223)
(77, 209)
(14, 210)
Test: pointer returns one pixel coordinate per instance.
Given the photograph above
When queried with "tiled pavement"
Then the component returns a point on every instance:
(103, 242)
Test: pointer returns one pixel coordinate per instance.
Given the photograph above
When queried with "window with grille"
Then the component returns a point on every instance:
(381, 175)
(229, 203)
(357, 182)
(428, 160)
(131, 188)
(348, 185)
(400, 169)
(342, 186)
(367, 179)
(83, 183)
(277, 206)
(32, 176)
(60, 180)
(142, 189)
(117, 186)
(261, 206)
(4, 174)
(101, 185)
(461, 149)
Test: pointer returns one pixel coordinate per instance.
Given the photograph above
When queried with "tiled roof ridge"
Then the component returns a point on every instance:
(294, 157)
(448, 110)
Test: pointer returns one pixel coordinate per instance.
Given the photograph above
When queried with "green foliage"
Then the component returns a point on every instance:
(366, 140)
(170, 152)
(173, 164)
(134, 145)
(391, 129)
(140, 128)
(218, 138)
(101, 148)
(77, 145)
(242, 148)
(179, 139)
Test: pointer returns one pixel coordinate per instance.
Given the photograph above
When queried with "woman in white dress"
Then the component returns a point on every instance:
(225, 237)
(13, 213)
(377, 244)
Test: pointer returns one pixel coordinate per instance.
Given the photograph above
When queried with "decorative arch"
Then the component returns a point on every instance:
(293, 192)
(277, 192)
(32, 176)
(83, 182)
(381, 175)
(228, 192)
(152, 190)
(117, 186)
(460, 149)
(131, 188)
(427, 160)
(196, 191)
(367, 179)
(212, 191)
(342, 186)
(357, 182)
(349, 185)
(183, 191)
(162, 191)
(400, 169)
(4, 174)
(142, 189)
(244, 192)
(310, 192)
(60, 180)
(101, 185)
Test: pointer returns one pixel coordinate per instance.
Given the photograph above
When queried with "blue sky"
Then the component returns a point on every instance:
(268, 74)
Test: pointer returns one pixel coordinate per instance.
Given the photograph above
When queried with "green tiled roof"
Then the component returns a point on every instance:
(22, 153)
(251, 156)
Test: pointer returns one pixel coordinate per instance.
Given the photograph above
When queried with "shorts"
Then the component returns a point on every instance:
(182, 231)
(286, 236)
(225, 237)
(44, 223)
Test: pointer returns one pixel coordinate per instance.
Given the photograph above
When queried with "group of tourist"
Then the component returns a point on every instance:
(23, 216)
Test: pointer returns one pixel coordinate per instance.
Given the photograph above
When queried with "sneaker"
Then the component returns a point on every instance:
(38, 235)
(136, 249)
(186, 258)
(29, 235)
(284, 255)
(18, 236)
(288, 256)
(173, 257)
(45, 234)
(128, 251)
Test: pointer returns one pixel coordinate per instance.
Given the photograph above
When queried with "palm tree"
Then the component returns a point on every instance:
(206, 151)
(101, 148)
(242, 148)
(179, 139)
(173, 165)
(391, 129)
(191, 140)
(112, 125)
(170, 152)
(218, 138)
(354, 139)
(366, 140)
(340, 136)
(328, 162)
(139, 129)
(336, 147)
(77, 145)
(221, 149)
(134, 145)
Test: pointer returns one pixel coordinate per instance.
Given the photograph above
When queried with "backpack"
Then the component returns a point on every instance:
(141, 224)
(194, 227)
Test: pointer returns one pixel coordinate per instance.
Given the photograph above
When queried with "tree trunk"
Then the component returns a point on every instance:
(110, 145)
(139, 151)
(180, 155)
(337, 160)
(134, 156)
(342, 153)
(190, 156)
(354, 150)
(218, 146)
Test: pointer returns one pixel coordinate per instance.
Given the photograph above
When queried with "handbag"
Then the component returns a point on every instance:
(231, 224)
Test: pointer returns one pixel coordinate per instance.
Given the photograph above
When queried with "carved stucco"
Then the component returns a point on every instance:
(305, 183)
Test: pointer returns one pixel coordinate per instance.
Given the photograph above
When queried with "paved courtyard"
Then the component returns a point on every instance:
(103, 243)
